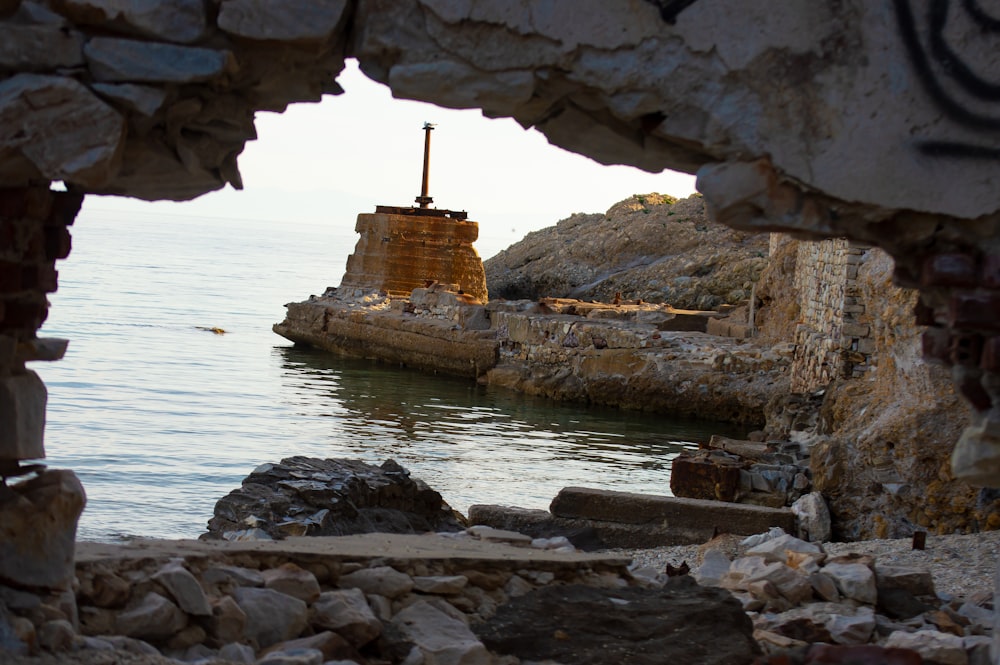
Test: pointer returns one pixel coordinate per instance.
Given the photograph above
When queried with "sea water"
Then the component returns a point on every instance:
(160, 416)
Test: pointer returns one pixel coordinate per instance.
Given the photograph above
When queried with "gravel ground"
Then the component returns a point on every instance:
(961, 565)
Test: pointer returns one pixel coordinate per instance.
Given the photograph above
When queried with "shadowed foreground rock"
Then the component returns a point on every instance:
(682, 623)
(305, 496)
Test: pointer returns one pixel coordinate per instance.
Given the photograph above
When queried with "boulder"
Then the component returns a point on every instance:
(272, 616)
(115, 60)
(292, 580)
(933, 646)
(854, 580)
(291, 21)
(153, 618)
(185, 589)
(347, 613)
(440, 638)
(813, 518)
(681, 623)
(38, 519)
(380, 580)
(63, 129)
(175, 21)
(331, 497)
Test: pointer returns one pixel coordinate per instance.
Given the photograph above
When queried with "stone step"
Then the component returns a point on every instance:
(682, 520)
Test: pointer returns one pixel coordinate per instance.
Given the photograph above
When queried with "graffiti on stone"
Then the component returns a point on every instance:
(952, 46)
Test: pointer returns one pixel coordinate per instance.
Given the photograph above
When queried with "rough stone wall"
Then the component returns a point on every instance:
(842, 118)
(830, 342)
(398, 253)
(33, 235)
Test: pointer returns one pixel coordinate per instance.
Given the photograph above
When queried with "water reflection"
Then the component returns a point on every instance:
(481, 445)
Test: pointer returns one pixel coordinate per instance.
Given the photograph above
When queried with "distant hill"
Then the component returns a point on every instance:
(650, 246)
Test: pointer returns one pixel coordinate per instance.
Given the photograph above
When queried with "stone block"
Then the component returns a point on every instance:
(22, 417)
(698, 477)
(38, 520)
(684, 519)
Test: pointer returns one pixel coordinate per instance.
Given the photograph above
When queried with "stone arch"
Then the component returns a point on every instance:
(827, 119)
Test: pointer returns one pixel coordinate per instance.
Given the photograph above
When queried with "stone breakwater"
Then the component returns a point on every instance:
(492, 597)
(631, 354)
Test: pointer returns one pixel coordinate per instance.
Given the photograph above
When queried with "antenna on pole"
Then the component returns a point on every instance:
(423, 199)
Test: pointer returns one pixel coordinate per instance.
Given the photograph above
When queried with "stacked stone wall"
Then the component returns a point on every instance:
(33, 235)
(830, 339)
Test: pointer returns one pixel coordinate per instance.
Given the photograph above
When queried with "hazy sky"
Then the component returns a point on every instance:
(325, 163)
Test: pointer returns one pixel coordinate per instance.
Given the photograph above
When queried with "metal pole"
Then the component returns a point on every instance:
(423, 199)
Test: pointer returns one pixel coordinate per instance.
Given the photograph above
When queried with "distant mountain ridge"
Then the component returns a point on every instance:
(651, 247)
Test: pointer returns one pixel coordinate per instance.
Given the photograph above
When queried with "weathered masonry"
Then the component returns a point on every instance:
(873, 121)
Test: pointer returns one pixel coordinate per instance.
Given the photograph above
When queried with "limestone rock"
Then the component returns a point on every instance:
(103, 589)
(271, 616)
(648, 246)
(22, 415)
(932, 645)
(330, 644)
(38, 520)
(29, 48)
(228, 622)
(175, 21)
(813, 518)
(144, 100)
(61, 127)
(56, 635)
(380, 580)
(854, 580)
(185, 589)
(441, 639)
(444, 585)
(298, 656)
(295, 21)
(233, 575)
(308, 496)
(347, 613)
(779, 549)
(154, 618)
(680, 623)
(292, 580)
(132, 61)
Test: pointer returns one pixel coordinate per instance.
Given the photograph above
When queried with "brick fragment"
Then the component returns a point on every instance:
(949, 270)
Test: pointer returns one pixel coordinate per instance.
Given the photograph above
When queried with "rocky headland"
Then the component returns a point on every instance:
(649, 247)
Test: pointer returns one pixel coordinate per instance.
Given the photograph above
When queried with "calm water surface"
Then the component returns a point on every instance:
(161, 418)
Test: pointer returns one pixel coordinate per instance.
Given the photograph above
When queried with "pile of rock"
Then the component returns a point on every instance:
(258, 604)
(303, 496)
(796, 595)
